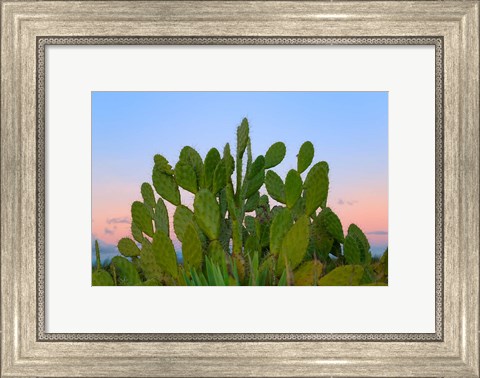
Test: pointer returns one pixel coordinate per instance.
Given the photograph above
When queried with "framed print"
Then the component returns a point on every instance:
(240, 188)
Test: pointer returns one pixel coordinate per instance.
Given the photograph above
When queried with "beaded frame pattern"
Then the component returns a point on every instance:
(42, 42)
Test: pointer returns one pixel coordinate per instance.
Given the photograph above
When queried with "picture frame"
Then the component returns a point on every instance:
(452, 26)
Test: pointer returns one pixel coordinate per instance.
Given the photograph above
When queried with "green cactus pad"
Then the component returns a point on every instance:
(141, 217)
(299, 208)
(316, 187)
(102, 278)
(211, 161)
(295, 243)
(322, 240)
(181, 219)
(357, 237)
(126, 272)
(162, 165)
(293, 187)
(242, 138)
(228, 159)
(207, 213)
(281, 223)
(136, 233)
(256, 167)
(186, 177)
(275, 154)
(275, 186)
(351, 251)
(219, 177)
(331, 223)
(252, 202)
(305, 156)
(190, 156)
(255, 183)
(147, 194)
(192, 248)
(166, 186)
(148, 263)
(161, 217)
(98, 262)
(348, 275)
(308, 273)
(128, 248)
(164, 253)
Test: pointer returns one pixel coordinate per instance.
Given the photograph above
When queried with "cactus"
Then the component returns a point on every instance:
(162, 165)
(141, 216)
(275, 186)
(275, 155)
(161, 217)
(356, 247)
(164, 253)
(207, 213)
(281, 224)
(348, 275)
(100, 277)
(293, 188)
(147, 194)
(148, 262)
(308, 274)
(211, 162)
(305, 156)
(128, 248)
(294, 244)
(331, 223)
(126, 272)
(219, 177)
(192, 248)
(316, 187)
(186, 177)
(191, 157)
(233, 236)
(165, 185)
(181, 219)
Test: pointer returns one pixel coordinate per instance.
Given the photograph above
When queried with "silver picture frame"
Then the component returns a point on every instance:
(28, 27)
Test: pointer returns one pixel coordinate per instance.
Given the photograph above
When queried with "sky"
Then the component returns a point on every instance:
(349, 130)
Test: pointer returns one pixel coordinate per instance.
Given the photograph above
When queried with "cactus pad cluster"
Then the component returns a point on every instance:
(235, 234)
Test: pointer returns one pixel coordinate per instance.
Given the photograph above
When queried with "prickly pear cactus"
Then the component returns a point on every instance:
(275, 186)
(147, 194)
(128, 248)
(293, 188)
(294, 244)
(308, 274)
(207, 213)
(356, 247)
(161, 217)
(235, 235)
(275, 155)
(186, 177)
(316, 187)
(126, 272)
(164, 253)
(348, 275)
(211, 161)
(305, 156)
(281, 224)
(192, 248)
(141, 216)
(166, 186)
